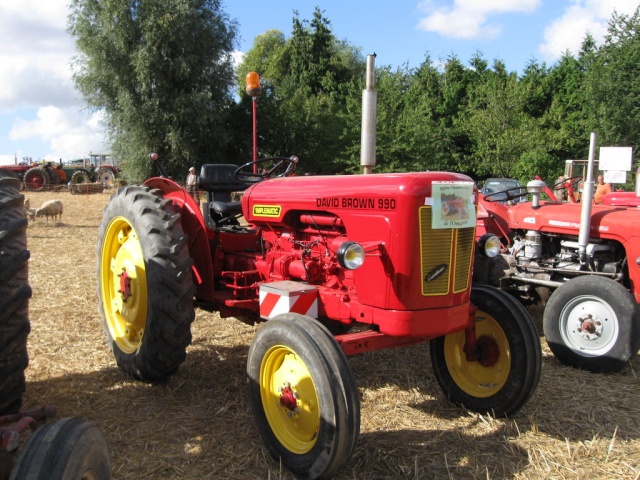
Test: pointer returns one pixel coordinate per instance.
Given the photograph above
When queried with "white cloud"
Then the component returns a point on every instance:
(67, 131)
(36, 88)
(581, 17)
(470, 19)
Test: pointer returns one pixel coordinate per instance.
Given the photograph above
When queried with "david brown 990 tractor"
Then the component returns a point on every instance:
(581, 261)
(391, 253)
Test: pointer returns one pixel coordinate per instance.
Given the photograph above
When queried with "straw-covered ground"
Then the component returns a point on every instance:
(199, 424)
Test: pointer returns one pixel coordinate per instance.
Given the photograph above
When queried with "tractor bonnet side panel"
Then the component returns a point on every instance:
(410, 265)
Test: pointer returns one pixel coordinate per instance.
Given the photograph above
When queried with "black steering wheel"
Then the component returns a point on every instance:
(269, 167)
(507, 195)
(572, 181)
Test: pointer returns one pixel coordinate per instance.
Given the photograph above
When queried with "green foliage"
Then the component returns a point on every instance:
(161, 71)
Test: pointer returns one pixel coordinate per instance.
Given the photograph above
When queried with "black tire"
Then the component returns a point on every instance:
(503, 380)
(69, 449)
(610, 334)
(35, 179)
(143, 249)
(105, 176)
(311, 442)
(14, 294)
(80, 176)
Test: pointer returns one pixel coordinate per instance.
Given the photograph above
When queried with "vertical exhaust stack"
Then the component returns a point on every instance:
(587, 201)
(369, 113)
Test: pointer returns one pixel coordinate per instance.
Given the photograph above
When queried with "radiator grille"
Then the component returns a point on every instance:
(439, 249)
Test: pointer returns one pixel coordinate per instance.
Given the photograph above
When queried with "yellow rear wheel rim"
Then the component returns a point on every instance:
(122, 265)
(289, 399)
(473, 378)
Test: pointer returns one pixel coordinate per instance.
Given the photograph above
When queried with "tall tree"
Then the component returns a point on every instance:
(161, 70)
(614, 82)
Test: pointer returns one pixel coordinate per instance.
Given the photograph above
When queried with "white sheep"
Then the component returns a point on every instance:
(50, 208)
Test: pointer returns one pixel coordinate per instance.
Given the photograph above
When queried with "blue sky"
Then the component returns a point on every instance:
(43, 117)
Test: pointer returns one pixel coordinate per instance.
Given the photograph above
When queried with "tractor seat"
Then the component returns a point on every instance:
(219, 181)
(226, 209)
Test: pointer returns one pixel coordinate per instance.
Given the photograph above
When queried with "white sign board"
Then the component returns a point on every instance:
(615, 158)
(615, 176)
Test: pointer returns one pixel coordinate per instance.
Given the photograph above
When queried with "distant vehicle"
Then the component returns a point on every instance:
(504, 190)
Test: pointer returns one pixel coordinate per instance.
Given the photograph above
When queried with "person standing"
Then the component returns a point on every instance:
(601, 190)
(192, 183)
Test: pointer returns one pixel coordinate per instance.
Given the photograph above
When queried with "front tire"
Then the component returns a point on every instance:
(69, 449)
(507, 374)
(145, 284)
(303, 395)
(592, 323)
(14, 295)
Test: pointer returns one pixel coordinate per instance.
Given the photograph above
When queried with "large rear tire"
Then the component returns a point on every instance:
(303, 395)
(80, 176)
(14, 294)
(69, 449)
(35, 179)
(105, 176)
(592, 323)
(145, 284)
(508, 371)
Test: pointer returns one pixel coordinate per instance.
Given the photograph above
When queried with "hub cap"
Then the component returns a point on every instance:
(289, 399)
(589, 326)
(123, 285)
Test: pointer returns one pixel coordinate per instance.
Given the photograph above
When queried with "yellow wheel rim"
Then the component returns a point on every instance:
(474, 378)
(289, 399)
(123, 285)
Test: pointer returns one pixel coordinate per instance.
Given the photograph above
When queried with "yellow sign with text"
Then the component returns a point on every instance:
(271, 211)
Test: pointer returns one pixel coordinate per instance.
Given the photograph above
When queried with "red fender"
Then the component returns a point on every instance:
(195, 227)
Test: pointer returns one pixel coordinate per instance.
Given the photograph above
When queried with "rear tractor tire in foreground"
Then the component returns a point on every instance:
(145, 287)
(14, 294)
(505, 376)
(304, 398)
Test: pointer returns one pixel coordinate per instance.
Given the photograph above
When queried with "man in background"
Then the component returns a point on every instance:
(192, 183)
(601, 190)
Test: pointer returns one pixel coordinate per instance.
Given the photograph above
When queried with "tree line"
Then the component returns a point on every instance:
(162, 72)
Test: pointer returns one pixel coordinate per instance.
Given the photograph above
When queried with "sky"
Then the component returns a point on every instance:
(42, 116)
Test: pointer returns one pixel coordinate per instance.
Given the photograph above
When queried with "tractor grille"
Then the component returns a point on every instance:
(445, 256)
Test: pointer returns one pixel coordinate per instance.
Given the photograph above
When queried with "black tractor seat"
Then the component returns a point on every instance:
(226, 208)
(219, 181)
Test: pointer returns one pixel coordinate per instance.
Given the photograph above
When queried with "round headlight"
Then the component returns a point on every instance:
(350, 255)
(489, 245)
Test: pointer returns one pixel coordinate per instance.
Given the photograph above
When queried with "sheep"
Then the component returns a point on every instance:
(50, 208)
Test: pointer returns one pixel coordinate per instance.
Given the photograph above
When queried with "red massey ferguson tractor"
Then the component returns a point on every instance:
(580, 261)
(315, 256)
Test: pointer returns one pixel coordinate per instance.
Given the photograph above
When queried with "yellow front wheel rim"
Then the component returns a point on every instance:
(123, 285)
(289, 399)
(473, 377)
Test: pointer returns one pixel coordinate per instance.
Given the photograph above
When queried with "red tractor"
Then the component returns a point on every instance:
(580, 261)
(313, 257)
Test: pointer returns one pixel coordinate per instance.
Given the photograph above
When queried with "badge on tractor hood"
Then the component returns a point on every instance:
(435, 272)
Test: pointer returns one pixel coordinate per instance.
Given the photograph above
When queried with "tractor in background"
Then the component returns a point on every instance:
(579, 260)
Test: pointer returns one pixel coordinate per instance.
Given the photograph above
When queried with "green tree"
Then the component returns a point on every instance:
(614, 82)
(161, 71)
(307, 80)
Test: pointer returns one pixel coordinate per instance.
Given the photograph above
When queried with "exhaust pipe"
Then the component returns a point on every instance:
(587, 203)
(369, 113)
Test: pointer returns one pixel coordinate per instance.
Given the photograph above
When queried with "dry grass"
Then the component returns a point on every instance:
(199, 425)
